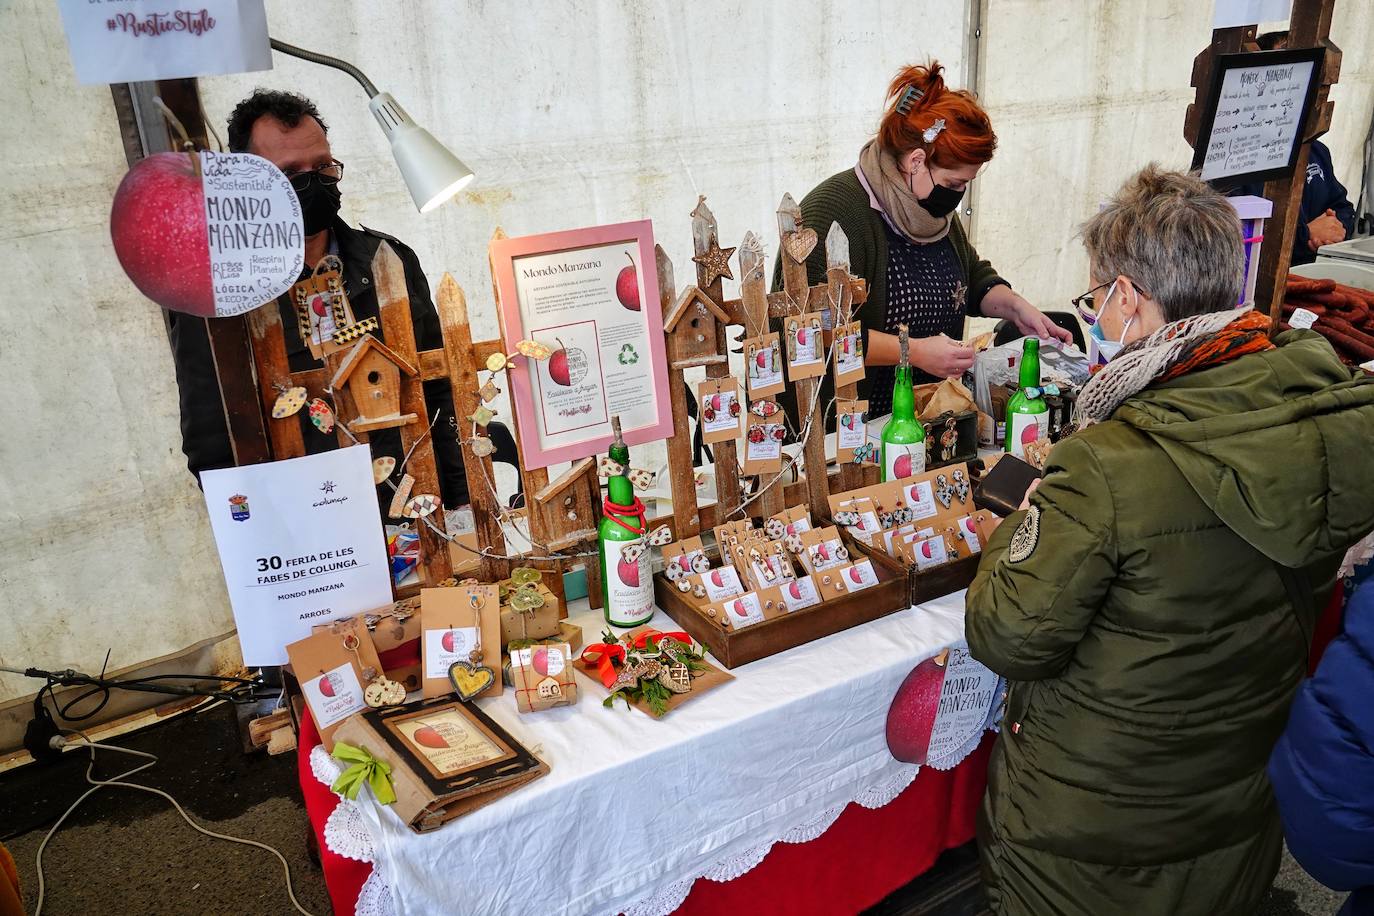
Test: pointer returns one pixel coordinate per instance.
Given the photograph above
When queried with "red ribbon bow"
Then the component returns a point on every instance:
(642, 639)
(605, 652)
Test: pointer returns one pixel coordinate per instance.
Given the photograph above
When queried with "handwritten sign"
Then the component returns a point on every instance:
(966, 694)
(1259, 113)
(125, 41)
(253, 224)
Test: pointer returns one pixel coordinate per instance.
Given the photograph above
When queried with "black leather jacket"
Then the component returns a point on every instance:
(204, 433)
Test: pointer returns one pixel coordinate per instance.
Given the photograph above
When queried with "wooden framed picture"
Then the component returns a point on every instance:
(452, 745)
(592, 296)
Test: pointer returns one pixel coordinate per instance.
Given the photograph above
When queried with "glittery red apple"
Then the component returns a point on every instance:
(902, 466)
(158, 227)
(911, 717)
(326, 685)
(628, 572)
(427, 736)
(627, 286)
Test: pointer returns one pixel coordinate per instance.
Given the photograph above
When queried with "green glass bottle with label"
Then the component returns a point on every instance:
(1027, 412)
(904, 438)
(626, 581)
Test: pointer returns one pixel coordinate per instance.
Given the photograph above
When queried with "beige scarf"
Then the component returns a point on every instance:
(903, 211)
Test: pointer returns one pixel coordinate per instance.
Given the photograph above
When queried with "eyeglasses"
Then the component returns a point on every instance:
(1084, 303)
(327, 175)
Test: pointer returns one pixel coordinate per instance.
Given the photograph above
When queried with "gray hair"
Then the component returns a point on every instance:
(1175, 237)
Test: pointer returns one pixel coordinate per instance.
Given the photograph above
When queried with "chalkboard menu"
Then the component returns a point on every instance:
(1256, 109)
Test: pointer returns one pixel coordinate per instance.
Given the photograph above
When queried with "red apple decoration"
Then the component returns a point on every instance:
(795, 589)
(158, 227)
(628, 572)
(326, 686)
(449, 640)
(540, 660)
(1030, 434)
(559, 370)
(911, 717)
(739, 609)
(627, 286)
(856, 576)
(902, 466)
(426, 735)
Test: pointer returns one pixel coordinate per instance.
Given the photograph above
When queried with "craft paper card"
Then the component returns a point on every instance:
(763, 446)
(799, 594)
(300, 542)
(796, 520)
(688, 554)
(456, 621)
(849, 354)
(859, 576)
(722, 583)
(968, 530)
(851, 431)
(591, 296)
(805, 346)
(720, 410)
(744, 610)
(333, 665)
(127, 41)
(920, 499)
(763, 362)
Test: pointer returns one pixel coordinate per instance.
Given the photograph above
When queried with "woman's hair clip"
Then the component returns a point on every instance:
(908, 99)
(933, 131)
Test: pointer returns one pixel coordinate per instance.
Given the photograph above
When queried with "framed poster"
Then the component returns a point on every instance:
(1254, 115)
(592, 296)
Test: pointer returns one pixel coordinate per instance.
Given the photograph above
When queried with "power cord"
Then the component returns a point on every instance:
(58, 742)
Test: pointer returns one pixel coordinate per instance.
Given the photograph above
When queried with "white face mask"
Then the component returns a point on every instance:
(1100, 350)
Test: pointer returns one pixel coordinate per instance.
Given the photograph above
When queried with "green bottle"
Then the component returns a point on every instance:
(626, 583)
(1027, 412)
(904, 438)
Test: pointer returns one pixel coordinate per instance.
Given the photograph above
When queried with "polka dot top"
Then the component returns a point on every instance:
(926, 292)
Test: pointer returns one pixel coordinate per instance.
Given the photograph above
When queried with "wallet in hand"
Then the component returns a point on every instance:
(1002, 488)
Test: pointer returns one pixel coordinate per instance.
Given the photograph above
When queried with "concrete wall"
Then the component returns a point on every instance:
(1082, 94)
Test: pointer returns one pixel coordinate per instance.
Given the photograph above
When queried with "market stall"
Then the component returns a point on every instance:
(635, 811)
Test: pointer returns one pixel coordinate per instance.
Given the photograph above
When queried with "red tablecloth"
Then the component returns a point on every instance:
(864, 856)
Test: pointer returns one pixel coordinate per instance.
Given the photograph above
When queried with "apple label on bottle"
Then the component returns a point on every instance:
(744, 610)
(216, 236)
(859, 576)
(920, 499)
(444, 646)
(630, 585)
(930, 552)
(800, 593)
(903, 460)
(1026, 429)
(722, 583)
(334, 695)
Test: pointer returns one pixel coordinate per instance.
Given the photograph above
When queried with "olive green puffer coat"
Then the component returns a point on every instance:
(1153, 635)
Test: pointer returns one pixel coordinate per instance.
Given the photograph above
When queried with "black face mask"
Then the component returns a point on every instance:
(319, 205)
(940, 202)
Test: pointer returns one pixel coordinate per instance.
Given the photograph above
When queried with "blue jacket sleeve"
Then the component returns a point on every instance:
(1322, 769)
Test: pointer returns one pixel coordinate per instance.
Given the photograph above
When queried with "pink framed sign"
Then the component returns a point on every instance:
(592, 296)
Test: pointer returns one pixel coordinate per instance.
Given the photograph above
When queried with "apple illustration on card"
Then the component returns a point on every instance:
(427, 736)
(627, 285)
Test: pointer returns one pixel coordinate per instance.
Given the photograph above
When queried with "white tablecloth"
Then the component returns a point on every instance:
(635, 810)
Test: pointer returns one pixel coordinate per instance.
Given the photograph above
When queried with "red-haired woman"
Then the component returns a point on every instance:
(897, 208)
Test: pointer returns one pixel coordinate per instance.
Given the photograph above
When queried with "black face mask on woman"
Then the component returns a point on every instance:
(319, 205)
(941, 201)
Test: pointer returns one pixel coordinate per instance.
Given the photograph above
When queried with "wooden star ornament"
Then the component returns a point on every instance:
(716, 263)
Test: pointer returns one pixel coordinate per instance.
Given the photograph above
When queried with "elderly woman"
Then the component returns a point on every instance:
(1152, 604)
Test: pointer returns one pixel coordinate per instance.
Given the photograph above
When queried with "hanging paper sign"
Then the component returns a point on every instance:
(941, 708)
(209, 234)
(851, 432)
(849, 354)
(132, 40)
(720, 409)
(805, 346)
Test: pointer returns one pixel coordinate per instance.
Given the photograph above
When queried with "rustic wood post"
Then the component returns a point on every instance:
(753, 295)
(681, 469)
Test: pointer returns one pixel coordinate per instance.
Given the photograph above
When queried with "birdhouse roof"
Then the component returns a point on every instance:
(684, 302)
(361, 349)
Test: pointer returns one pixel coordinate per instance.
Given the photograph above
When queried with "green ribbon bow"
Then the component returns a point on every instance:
(364, 768)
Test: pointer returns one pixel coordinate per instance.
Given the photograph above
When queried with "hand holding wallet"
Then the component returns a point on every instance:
(1002, 488)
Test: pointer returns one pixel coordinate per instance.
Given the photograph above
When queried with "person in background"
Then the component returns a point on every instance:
(897, 206)
(1152, 604)
(287, 130)
(1326, 216)
(1323, 767)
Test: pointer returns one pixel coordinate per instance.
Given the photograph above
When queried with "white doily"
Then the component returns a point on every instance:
(346, 835)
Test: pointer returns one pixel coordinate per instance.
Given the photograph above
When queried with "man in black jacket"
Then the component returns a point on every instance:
(286, 129)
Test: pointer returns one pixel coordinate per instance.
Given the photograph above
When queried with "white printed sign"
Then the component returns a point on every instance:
(722, 583)
(253, 224)
(127, 41)
(966, 695)
(443, 647)
(334, 695)
(800, 593)
(300, 542)
(1257, 120)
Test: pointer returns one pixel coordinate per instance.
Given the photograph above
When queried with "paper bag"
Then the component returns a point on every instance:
(455, 621)
(333, 666)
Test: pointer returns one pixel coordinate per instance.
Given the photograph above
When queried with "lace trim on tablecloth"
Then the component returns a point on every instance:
(1358, 555)
(346, 835)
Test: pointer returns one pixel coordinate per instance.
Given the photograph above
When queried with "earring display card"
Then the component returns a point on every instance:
(822, 549)
(799, 594)
(851, 431)
(805, 346)
(849, 354)
(721, 583)
(859, 576)
(457, 621)
(322, 308)
(763, 362)
(689, 555)
(796, 520)
(334, 665)
(720, 409)
(743, 611)
(447, 758)
(763, 446)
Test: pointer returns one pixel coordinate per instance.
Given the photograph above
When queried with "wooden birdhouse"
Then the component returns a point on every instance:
(691, 325)
(372, 375)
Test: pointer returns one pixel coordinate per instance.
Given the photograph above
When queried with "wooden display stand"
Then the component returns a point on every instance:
(695, 323)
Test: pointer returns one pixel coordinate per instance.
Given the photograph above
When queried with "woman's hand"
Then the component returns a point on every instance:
(941, 356)
(1025, 500)
(1003, 302)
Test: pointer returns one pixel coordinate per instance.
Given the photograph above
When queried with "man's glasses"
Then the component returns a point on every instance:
(327, 175)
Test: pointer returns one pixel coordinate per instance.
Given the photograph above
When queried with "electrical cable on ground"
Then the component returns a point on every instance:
(117, 781)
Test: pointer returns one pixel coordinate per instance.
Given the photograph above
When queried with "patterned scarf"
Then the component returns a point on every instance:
(1178, 348)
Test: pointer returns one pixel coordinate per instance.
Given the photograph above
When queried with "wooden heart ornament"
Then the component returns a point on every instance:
(800, 244)
(469, 680)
